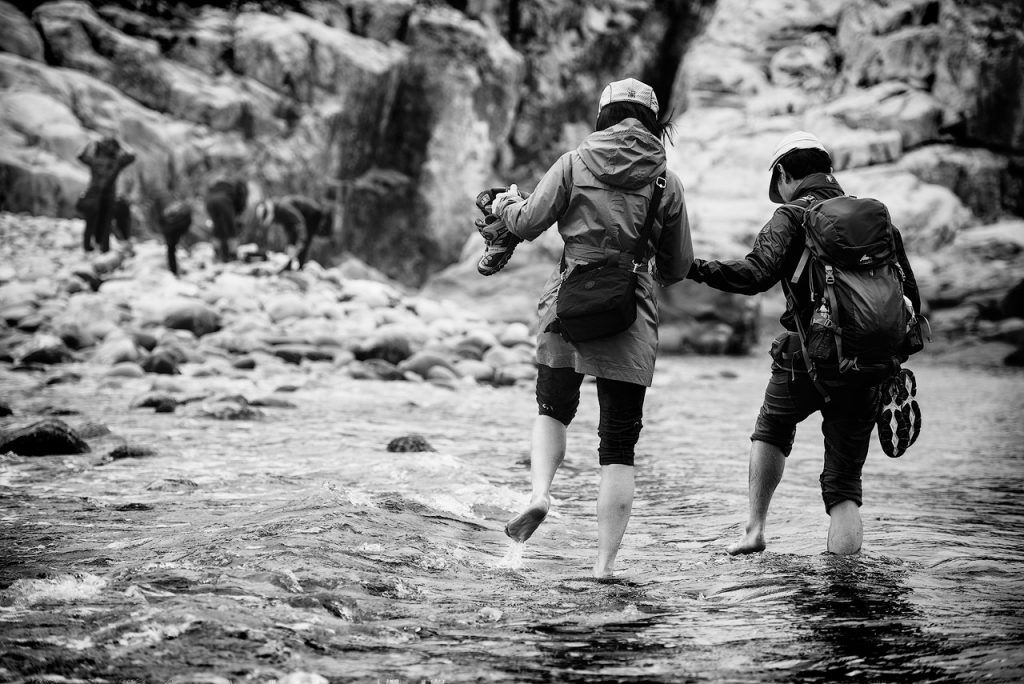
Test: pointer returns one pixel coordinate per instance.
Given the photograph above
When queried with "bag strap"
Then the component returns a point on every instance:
(640, 248)
(811, 370)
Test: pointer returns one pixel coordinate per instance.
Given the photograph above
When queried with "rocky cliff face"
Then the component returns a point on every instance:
(398, 111)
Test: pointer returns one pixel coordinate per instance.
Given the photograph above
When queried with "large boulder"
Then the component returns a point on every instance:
(455, 102)
(892, 105)
(969, 56)
(928, 216)
(990, 184)
(19, 36)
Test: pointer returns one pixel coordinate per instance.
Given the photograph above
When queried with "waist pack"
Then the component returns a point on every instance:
(598, 300)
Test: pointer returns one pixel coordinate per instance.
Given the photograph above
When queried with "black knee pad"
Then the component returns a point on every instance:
(618, 441)
(563, 413)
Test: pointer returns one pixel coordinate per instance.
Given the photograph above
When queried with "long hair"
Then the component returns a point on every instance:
(616, 112)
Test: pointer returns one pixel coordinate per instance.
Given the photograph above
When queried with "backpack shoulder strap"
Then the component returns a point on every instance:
(807, 203)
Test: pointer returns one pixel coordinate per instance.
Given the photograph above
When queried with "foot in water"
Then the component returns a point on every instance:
(752, 542)
(522, 527)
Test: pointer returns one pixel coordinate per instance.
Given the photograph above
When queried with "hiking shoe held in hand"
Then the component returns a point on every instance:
(499, 242)
(899, 415)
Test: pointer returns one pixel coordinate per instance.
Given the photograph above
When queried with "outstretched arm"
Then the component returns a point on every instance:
(761, 268)
(530, 218)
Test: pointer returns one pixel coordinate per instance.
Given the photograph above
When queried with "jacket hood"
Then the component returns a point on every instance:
(625, 155)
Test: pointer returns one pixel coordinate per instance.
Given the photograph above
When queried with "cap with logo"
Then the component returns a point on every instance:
(629, 90)
(798, 140)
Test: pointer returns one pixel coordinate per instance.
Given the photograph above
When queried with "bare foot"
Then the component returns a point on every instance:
(522, 527)
(752, 542)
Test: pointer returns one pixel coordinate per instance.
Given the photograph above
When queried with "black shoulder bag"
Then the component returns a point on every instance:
(598, 300)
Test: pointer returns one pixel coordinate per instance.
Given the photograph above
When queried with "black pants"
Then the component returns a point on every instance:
(103, 210)
(622, 409)
(221, 210)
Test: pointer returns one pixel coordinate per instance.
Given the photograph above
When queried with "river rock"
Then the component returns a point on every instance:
(74, 334)
(287, 306)
(410, 442)
(116, 348)
(125, 369)
(393, 346)
(195, 317)
(15, 313)
(374, 369)
(46, 349)
(230, 409)
(511, 374)
(425, 361)
(144, 339)
(162, 361)
(478, 370)
(130, 451)
(43, 438)
(156, 400)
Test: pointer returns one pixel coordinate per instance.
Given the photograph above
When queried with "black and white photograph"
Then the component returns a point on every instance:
(473, 341)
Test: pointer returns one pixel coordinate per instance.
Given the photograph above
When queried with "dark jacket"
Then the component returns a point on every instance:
(301, 218)
(776, 253)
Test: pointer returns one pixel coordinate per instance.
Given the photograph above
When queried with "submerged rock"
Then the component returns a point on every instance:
(44, 438)
(131, 451)
(411, 442)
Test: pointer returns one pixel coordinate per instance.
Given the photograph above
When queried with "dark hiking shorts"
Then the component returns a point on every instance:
(622, 409)
(846, 423)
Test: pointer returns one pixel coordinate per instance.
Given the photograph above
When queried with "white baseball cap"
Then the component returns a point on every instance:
(798, 140)
(629, 90)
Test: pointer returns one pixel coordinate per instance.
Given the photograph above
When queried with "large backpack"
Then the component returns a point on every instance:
(856, 290)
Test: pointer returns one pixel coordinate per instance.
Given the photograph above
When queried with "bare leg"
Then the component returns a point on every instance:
(767, 463)
(845, 530)
(547, 450)
(614, 504)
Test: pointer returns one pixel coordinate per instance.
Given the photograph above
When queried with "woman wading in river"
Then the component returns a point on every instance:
(600, 194)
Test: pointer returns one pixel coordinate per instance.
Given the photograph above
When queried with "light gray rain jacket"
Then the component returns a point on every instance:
(599, 194)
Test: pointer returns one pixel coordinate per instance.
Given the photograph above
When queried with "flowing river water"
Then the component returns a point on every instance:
(248, 551)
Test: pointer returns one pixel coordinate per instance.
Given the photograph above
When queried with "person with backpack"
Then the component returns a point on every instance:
(848, 285)
(603, 195)
(301, 218)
